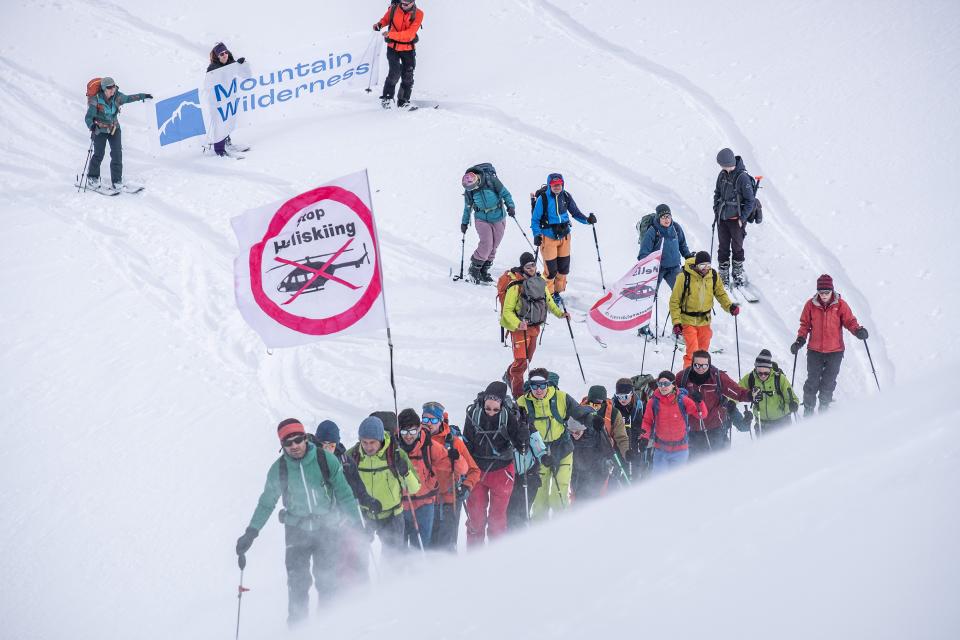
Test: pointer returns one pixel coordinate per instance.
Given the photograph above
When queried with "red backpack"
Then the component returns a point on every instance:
(93, 87)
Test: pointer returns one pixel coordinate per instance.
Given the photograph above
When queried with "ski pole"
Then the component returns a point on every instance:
(242, 560)
(463, 244)
(869, 357)
(599, 261)
(570, 328)
(82, 181)
(526, 237)
(643, 358)
(794, 374)
(713, 230)
(656, 316)
(736, 332)
(706, 435)
(674, 358)
(663, 331)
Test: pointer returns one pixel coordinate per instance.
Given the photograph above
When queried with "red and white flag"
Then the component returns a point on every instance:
(628, 305)
(309, 266)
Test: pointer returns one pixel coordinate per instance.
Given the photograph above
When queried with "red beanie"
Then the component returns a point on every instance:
(289, 427)
(825, 282)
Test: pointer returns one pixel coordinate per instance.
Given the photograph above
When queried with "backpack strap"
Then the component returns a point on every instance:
(284, 479)
(325, 474)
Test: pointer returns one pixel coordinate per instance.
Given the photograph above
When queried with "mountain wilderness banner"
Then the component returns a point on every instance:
(628, 305)
(309, 266)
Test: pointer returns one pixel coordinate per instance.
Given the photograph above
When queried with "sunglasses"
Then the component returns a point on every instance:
(824, 292)
(223, 53)
(701, 365)
(624, 397)
(595, 405)
(763, 372)
(294, 440)
(664, 383)
(426, 420)
(410, 431)
(538, 386)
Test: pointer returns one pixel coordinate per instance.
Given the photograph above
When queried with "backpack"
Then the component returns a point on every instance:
(475, 413)
(756, 215)
(777, 374)
(509, 277)
(686, 291)
(533, 300)
(645, 223)
(488, 180)
(681, 394)
(93, 87)
(324, 473)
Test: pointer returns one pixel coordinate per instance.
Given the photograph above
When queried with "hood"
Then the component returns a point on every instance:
(834, 299)
(554, 176)
(739, 166)
(688, 266)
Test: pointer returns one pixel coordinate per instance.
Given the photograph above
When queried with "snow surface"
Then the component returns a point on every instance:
(139, 408)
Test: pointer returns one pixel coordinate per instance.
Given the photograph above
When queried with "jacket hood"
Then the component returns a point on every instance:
(834, 299)
(690, 267)
(553, 176)
(739, 166)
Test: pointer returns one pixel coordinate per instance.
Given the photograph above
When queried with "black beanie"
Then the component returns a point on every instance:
(526, 258)
(497, 389)
(663, 210)
(701, 257)
(666, 375)
(408, 418)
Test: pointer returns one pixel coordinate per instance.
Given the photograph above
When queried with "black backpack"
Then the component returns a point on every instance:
(561, 229)
(756, 216)
(488, 180)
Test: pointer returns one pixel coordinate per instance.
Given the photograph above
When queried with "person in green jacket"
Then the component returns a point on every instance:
(774, 399)
(318, 510)
(388, 476)
(103, 109)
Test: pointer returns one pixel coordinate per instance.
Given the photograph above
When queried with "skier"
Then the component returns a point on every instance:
(486, 198)
(427, 457)
(823, 318)
(629, 404)
(550, 222)
(220, 57)
(522, 313)
(666, 422)
(549, 409)
(733, 202)
(593, 462)
(103, 111)
(401, 23)
(455, 484)
(492, 431)
(691, 303)
(319, 511)
(613, 425)
(711, 433)
(776, 400)
(663, 233)
(388, 476)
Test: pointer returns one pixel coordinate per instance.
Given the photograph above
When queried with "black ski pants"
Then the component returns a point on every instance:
(719, 440)
(303, 547)
(822, 371)
(517, 507)
(730, 233)
(402, 64)
(446, 526)
(116, 155)
(391, 530)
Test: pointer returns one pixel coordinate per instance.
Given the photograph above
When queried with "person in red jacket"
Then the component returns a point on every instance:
(400, 24)
(456, 478)
(714, 386)
(823, 319)
(666, 422)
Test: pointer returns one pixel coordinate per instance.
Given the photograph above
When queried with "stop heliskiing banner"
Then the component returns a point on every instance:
(309, 267)
(628, 305)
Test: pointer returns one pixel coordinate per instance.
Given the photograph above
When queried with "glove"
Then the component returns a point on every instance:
(862, 333)
(642, 443)
(796, 345)
(757, 394)
(403, 467)
(695, 395)
(592, 219)
(794, 407)
(463, 492)
(608, 463)
(376, 26)
(453, 454)
(246, 540)
(463, 228)
(148, 96)
(537, 240)
(241, 60)
(370, 503)
(734, 309)
(511, 212)
(677, 329)
(598, 422)
(546, 460)
(747, 417)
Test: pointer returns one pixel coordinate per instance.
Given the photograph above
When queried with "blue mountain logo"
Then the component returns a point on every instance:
(180, 117)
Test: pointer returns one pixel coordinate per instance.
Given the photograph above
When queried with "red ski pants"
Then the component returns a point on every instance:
(491, 492)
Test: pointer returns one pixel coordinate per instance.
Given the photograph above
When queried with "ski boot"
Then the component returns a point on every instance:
(93, 183)
(386, 102)
(558, 300)
(724, 270)
(485, 271)
(474, 271)
(739, 277)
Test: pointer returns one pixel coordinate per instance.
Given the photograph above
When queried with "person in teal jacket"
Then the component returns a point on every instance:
(485, 196)
(319, 509)
(103, 110)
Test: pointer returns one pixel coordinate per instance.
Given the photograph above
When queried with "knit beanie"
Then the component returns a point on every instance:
(597, 393)
(328, 431)
(106, 82)
(408, 418)
(663, 210)
(371, 429)
(666, 375)
(726, 158)
(701, 257)
(289, 427)
(496, 389)
(624, 385)
(526, 258)
(825, 282)
(220, 48)
(765, 359)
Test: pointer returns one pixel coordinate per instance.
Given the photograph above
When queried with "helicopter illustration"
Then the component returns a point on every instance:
(314, 270)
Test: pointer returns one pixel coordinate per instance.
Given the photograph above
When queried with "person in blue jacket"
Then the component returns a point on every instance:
(550, 223)
(666, 234)
(485, 197)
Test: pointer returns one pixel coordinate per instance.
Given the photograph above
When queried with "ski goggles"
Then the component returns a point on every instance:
(409, 431)
(538, 386)
(428, 420)
(294, 440)
(701, 365)
(624, 398)
(703, 266)
(664, 383)
(824, 292)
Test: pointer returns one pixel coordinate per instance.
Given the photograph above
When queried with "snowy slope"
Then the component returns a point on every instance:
(139, 408)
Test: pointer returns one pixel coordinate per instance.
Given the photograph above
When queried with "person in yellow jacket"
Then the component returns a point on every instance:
(548, 409)
(388, 476)
(691, 303)
(523, 312)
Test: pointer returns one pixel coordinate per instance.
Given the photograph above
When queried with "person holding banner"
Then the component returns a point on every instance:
(220, 57)
(691, 304)
(401, 21)
(661, 232)
(523, 313)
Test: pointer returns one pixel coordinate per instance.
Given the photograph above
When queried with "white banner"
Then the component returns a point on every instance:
(309, 267)
(262, 90)
(628, 305)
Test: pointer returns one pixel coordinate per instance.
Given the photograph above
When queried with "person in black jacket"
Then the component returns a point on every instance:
(733, 202)
(492, 432)
(220, 57)
(593, 463)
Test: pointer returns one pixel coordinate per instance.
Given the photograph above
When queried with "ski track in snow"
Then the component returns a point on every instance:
(792, 232)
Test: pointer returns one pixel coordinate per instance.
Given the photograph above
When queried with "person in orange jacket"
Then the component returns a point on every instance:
(426, 456)
(399, 26)
(457, 476)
